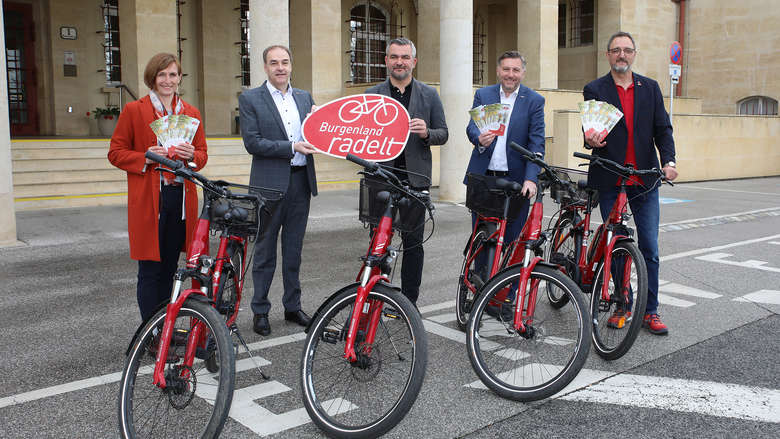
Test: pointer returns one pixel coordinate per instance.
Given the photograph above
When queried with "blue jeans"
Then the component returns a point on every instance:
(646, 213)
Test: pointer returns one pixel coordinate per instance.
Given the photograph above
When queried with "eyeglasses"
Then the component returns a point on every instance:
(626, 50)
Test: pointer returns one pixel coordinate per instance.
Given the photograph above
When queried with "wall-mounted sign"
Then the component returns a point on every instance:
(68, 33)
(70, 58)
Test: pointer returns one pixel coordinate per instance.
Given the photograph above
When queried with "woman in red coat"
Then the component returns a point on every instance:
(161, 212)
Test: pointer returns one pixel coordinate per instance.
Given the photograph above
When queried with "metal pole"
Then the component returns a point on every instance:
(671, 98)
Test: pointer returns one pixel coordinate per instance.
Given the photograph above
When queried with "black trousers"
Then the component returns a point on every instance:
(413, 253)
(290, 215)
(155, 279)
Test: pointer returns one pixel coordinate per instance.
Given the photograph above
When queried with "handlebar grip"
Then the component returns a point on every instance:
(521, 150)
(364, 163)
(174, 165)
(584, 156)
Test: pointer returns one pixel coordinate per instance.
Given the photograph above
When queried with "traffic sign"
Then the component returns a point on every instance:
(675, 52)
(675, 70)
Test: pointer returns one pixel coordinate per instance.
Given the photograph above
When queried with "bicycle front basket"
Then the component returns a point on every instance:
(371, 210)
(580, 197)
(484, 198)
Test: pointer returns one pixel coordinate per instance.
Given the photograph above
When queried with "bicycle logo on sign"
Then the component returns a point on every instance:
(383, 111)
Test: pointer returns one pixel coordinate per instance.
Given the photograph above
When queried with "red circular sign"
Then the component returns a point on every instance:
(370, 126)
(675, 52)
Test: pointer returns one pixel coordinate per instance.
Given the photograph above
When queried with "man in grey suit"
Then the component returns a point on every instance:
(271, 117)
(427, 127)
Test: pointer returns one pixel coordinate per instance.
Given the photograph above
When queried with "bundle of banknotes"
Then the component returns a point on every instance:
(598, 116)
(491, 117)
(175, 129)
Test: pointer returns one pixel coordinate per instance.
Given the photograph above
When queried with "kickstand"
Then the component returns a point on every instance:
(234, 330)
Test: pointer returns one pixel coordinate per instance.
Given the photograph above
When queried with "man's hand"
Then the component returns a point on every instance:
(304, 148)
(596, 139)
(529, 189)
(157, 149)
(419, 127)
(670, 172)
(312, 110)
(486, 138)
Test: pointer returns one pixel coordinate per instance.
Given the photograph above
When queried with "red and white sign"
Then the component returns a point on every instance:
(675, 52)
(372, 127)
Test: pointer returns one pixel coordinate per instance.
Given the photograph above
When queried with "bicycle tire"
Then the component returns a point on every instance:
(464, 296)
(563, 251)
(547, 357)
(348, 401)
(612, 343)
(144, 407)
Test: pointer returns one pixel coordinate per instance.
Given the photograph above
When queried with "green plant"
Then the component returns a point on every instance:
(109, 112)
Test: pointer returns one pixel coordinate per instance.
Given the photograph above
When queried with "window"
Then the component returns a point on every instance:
(370, 29)
(243, 45)
(478, 74)
(757, 105)
(575, 23)
(111, 42)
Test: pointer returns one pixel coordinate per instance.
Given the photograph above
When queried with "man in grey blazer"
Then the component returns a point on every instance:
(427, 127)
(271, 117)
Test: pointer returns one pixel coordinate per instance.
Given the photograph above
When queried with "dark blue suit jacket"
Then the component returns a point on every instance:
(652, 128)
(526, 128)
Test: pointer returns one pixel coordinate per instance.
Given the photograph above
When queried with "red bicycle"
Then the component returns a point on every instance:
(608, 265)
(366, 351)
(185, 349)
(519, 345)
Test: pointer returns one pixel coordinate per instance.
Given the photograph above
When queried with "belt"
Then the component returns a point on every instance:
(297, 168)
(497, 173)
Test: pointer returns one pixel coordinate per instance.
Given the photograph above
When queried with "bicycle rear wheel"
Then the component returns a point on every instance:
(477, 277)
(543, 359)
(195, 403)
(562, 251)
(369, 397)
(617, 321)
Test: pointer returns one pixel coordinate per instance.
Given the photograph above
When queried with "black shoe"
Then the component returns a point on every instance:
(261, 325)
(505, 314)
(298, 317)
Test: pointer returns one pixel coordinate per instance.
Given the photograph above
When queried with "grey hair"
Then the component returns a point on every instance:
(621, 34)
(511, 54)
(401, 41)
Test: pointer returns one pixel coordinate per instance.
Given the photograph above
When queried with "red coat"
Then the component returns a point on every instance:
(132, 137)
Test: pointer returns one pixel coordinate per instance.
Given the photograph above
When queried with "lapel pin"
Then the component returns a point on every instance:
(639, 83)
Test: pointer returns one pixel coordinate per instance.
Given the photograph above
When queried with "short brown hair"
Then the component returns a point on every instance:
(514, 54)
(275, 46)
(158, 63)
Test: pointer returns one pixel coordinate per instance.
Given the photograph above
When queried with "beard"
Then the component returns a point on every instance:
(399, 76)
(621, 68)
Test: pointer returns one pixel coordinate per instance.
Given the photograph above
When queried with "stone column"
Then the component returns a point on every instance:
(537, 39)
(456, 93)
(146, 27)
(326, 51)
(269, 24)
(428, 41)
(609, 19)
(7, 211)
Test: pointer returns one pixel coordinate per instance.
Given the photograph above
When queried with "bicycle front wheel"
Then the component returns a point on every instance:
(472, 277)
(368, 397)
(541, 360)
(194, 403)
(563, 251)
(618, 319)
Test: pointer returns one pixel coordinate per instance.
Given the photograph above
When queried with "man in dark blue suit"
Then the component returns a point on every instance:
(492, 154)
(645, 127)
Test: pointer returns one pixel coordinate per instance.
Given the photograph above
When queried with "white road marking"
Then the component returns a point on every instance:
(702, 251)
(60, 389)
(443, 318)
(437, 306)
(730, 190)
(774, 242)
(586, 377)
(751, 263)
(770, 297)
(674, 301)
(671, 287)
(708, 218)
(704, 397)
(455, 335)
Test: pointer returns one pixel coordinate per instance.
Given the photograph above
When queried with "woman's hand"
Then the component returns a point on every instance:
(157, 149)
(185, 151)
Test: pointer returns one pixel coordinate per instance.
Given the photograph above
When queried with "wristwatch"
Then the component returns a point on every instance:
(672, 164)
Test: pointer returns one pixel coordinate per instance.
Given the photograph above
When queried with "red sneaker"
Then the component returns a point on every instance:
(653, 324)
(619, 319)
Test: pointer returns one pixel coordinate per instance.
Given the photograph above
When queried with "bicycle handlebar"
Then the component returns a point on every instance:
(379, 171)
(549, 172)
(364, 163)
(623, 171)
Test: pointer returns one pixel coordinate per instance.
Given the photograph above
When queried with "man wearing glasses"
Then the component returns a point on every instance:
(645, 127)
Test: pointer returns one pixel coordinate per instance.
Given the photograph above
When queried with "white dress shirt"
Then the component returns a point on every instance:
(498, 160)
(291, 118)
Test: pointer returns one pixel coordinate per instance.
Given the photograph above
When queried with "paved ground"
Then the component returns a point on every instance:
(68, 311)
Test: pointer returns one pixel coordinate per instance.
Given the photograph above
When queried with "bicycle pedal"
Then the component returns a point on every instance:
(331, 336)
(391, 313)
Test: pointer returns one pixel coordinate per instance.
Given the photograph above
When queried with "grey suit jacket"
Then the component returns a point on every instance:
(423, 104)
(266, 138)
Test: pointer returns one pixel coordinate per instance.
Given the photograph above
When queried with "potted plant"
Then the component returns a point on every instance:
(106, 119)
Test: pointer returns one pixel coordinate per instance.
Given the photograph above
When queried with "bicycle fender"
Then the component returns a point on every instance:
(327, 301)
(199, 297)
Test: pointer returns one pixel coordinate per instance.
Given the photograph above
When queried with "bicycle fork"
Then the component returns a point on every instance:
(526, 300)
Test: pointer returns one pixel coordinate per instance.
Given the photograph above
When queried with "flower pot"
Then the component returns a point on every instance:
(106, 126)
